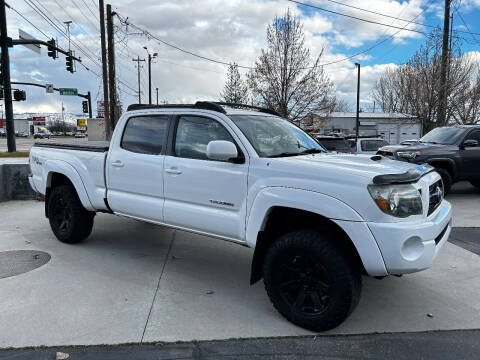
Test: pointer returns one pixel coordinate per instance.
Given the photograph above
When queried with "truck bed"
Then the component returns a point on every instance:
(96, 146)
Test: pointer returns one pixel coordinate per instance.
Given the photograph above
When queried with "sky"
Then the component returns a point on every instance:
(223, 30)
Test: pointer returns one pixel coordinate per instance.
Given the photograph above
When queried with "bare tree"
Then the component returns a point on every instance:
(413, 88)
(283, 77)
(341, 105)
(235, 89)
(465, 107)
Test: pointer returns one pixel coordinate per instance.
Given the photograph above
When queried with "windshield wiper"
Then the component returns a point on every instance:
(286, 154)
(311, 151)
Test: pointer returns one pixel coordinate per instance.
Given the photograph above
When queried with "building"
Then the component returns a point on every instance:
(21, 125)
(393, 127)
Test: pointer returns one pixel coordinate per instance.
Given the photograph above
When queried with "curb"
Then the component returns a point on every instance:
(14, 183)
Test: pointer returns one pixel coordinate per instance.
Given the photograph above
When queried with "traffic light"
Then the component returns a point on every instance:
(52, 51)
(69, 63)
(19, 95)
(85, 106)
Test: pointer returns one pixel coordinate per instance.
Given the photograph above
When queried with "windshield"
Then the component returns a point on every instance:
(443, 135)
(335, 144)
(275, 137)
(372, 145)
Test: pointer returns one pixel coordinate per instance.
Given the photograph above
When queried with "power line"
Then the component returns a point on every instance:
(23, 17)
(358, 18)
(95, 26)
(390, 16)
(464, 22)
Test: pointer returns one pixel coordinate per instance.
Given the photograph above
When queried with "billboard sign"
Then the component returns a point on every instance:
(100, 109)
(38, 120)
(82, 122)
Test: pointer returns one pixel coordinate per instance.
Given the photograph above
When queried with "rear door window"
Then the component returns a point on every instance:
(145, 134)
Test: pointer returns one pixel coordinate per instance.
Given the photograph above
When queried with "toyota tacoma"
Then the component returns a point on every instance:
(317, 221)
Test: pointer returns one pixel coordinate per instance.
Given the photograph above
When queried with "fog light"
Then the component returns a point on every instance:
(412, 248)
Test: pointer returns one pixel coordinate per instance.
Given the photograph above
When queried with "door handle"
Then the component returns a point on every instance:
(173, 171)
(117, 163)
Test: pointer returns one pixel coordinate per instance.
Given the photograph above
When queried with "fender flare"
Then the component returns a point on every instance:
(315, 202)
(64, 168)
(340, 213)
(444, 160)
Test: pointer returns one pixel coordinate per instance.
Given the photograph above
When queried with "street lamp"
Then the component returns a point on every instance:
(150, 57)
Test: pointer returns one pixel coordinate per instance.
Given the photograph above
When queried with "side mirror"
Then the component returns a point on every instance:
(470, 143)
(221, 150)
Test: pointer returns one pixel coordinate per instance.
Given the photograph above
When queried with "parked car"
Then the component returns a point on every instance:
(42, 135)
(333, 143)
(69, 133)
(454, 151)
(243, 174)
(2, 132)
(23, 134)
(79, 135)
(366, 145)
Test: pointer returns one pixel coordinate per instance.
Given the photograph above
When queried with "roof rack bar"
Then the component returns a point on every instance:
(261, 109)
(206, 105)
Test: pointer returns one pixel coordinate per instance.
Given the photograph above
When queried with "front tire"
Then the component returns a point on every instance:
(310, 280)
(69, 220)
(446, 178)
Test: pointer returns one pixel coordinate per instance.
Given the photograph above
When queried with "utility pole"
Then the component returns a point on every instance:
(157, 95)
(150, 57)
(139, 67)
(106, 102)
(358, 102)
(442, 94)
(111, 68)
(6, 42)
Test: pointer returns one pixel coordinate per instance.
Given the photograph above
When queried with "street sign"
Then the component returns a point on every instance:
(49, 88)
(26, 36)
(81, 122)
(68, 91)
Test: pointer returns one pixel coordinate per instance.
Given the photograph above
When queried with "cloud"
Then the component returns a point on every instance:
(224, 30)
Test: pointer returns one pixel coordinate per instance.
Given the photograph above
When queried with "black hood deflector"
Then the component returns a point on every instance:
(409, 176)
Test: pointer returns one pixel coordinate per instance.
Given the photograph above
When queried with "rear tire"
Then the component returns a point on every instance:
(446, 178)
(69, 220)
(310, 280)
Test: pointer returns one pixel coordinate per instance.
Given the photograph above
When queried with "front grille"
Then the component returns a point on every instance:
(435, 194)
(387, 154)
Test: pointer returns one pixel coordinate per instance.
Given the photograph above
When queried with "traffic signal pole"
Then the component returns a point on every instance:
(6, 42)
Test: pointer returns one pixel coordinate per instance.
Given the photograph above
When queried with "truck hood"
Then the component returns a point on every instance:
(411, 147)
(348, 165)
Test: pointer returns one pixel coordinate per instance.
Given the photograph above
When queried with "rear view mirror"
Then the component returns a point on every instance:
(221, 150)
(470, 143)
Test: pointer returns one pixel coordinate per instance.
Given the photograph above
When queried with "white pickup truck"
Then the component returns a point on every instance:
(316, 221)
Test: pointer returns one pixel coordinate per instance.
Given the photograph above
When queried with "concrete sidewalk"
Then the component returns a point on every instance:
(136, 282)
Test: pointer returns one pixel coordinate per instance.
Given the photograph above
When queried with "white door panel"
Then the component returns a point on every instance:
(206, 196)
(135, 168)
(200, 194)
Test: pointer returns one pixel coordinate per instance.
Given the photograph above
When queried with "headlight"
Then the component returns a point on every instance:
(400, 200)
(408, 154)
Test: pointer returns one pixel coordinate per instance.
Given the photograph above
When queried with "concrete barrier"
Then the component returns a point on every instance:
(14, 183)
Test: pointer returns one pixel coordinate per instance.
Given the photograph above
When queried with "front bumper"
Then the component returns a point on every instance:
(408, 247)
